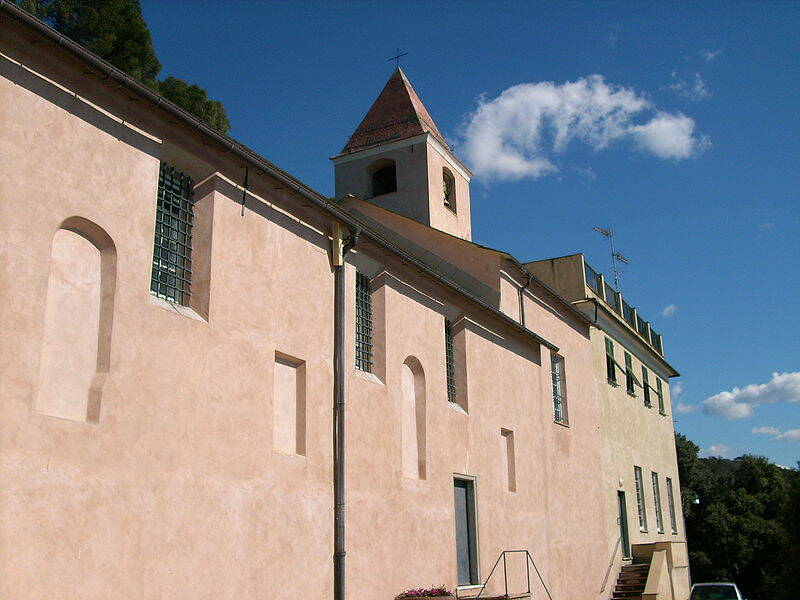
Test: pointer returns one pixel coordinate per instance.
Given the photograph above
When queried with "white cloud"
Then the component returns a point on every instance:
(676, 389)
(709, 55)
(767, 430)
(668, 310)
(684, 408)
(518, 133)
(669, 136)
(790, 435)
(694, 90)
(720, 450)
(739, 402)
(585, 172)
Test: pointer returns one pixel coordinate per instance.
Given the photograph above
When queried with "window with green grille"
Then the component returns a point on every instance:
(646, 387)
(449, 361)
(660, 394)
(363, 324)
(171, 277)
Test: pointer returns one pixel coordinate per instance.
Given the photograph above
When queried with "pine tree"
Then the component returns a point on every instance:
(116, 31)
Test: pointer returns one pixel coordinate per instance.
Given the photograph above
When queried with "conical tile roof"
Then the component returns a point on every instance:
(396, 114)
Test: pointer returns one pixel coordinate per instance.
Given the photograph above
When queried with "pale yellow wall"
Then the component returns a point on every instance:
(636, 435)
(631, 434)
(563, 274)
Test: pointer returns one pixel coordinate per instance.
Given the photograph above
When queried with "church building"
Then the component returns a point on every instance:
(219, 383)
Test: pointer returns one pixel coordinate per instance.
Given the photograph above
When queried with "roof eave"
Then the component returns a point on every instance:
(230, 145)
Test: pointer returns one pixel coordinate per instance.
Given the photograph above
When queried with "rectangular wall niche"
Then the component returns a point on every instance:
(289, 405)
(509, 461)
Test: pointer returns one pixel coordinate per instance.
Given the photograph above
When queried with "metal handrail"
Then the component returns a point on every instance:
(611, 563)
(528, 562)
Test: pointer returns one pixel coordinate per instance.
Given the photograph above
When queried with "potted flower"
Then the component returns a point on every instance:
(439, 592)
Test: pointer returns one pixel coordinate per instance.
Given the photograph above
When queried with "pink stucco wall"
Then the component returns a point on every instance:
(176, 491)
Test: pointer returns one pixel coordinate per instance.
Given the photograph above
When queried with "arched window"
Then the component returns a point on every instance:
(412, 418)
(384, 177)
(449, 184)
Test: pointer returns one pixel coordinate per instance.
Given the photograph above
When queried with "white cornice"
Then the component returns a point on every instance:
(450, 158)
(456, 164)
(379, 149)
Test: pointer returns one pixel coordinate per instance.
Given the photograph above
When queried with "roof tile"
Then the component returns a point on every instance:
(396, 114)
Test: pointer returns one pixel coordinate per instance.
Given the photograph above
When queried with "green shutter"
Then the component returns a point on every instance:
(611, 370)
(629, 380)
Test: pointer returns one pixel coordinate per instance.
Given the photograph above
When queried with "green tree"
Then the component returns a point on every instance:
(741, 521)
(112, 29)
(193, 98)
(116, 31)
(690, 470)
(791, 526)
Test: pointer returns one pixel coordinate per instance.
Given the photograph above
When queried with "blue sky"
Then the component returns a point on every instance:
(686, 145)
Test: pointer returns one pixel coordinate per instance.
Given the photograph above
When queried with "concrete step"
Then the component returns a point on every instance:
(634, 574)
(632, 580)
(639, 589)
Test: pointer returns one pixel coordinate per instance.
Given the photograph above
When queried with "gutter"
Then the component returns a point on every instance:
(264, 166)
(522, 298)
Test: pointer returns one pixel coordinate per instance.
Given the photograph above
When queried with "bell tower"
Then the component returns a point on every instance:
(398, 160)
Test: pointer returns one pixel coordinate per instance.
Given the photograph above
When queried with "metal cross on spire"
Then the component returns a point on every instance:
(397, 56)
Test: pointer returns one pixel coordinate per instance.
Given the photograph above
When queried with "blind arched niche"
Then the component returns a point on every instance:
(412, 418)
(79, 306)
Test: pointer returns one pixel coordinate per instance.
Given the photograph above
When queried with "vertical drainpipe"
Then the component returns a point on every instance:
(522, 299)
(339, 249)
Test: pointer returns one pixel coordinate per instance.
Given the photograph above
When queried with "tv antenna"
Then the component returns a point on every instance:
(615, 256)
